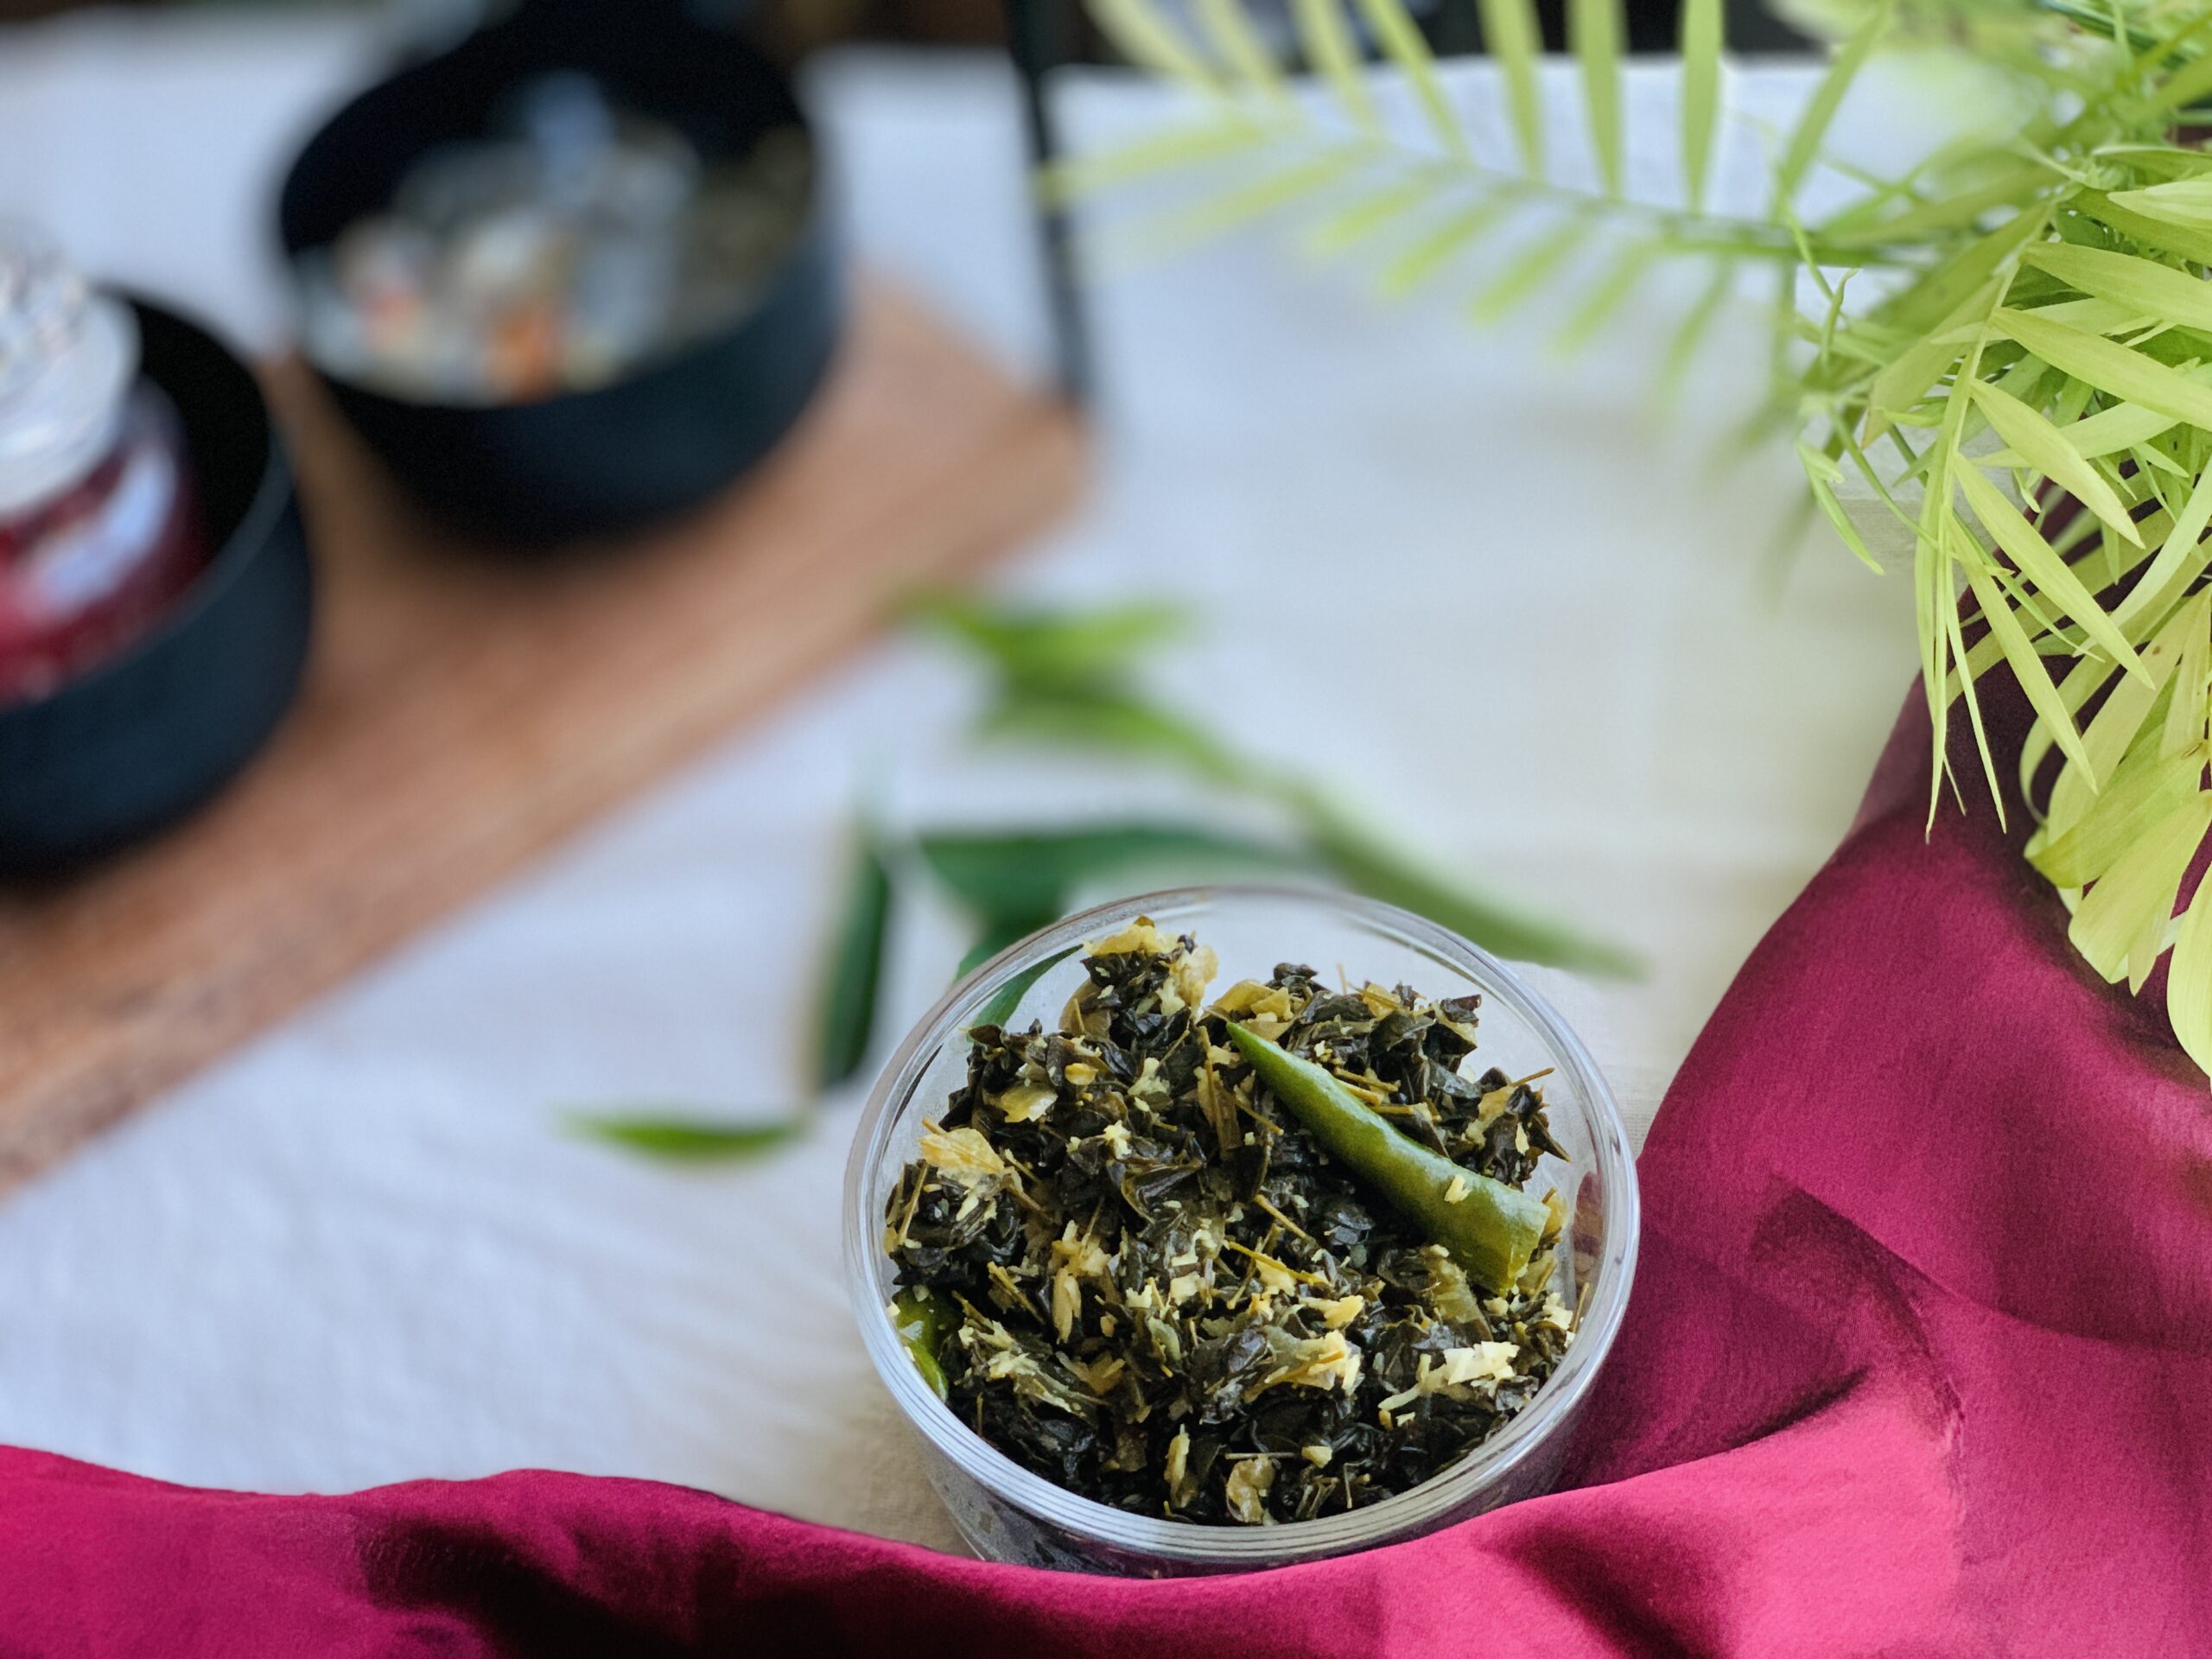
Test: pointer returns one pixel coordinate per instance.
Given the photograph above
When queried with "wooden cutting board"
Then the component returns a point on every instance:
(461, 714)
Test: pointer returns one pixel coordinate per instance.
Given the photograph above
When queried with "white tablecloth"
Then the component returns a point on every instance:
(360, 1249)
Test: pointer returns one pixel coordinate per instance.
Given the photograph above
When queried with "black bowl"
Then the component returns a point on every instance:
(127, 747)
(643, 448)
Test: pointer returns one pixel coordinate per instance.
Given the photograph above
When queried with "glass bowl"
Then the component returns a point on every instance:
(1008, 1514)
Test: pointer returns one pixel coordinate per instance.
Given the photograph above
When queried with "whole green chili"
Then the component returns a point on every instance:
(1491, 1229)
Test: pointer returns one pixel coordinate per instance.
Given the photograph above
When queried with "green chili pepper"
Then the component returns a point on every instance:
(921, 1317)
(1489, 1228)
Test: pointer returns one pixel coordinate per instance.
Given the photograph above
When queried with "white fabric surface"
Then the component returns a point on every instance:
(361, 1249)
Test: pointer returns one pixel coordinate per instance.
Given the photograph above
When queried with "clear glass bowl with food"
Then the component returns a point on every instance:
(1231, 1227)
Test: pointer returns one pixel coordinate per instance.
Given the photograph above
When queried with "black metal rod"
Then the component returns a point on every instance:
(1037, 33)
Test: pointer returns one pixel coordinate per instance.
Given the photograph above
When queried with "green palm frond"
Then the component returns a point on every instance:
(2035, 328)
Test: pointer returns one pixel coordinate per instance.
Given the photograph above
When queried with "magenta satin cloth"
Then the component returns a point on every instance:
(1919, 1362)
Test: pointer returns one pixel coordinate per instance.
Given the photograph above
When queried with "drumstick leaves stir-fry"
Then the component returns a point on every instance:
(1245, 1257)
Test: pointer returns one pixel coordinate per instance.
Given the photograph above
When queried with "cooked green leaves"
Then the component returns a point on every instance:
(1129, 1259)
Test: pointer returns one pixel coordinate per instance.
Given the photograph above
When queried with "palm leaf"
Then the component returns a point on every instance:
(1510, 33)
(1812, 128)
(1402, 44)
(1701, 94)
(2044, 447)
(1145, 36)
(2110, 367)
(1593, 32)
(1326, 40)
(2188, 980)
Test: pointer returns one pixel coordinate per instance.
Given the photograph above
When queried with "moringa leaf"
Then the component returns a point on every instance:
(679, 1137)
(1701, 39)
(854, 971)
(1593, 33)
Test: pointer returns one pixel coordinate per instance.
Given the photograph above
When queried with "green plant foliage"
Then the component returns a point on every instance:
(2040, 333)
(683, 1137)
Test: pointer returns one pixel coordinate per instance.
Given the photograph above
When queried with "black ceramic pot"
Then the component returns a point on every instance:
(130, 745)
(618, 457)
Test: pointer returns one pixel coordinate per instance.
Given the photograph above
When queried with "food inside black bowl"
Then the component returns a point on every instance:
(154, 579)
(568, 278)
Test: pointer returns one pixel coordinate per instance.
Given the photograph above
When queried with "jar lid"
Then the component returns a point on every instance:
(67, 355)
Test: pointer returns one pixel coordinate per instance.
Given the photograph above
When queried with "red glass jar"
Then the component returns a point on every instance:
(99, 529)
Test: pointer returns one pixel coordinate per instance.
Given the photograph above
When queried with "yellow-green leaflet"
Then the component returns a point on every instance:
(2108, 430)
(2186, 202)
(1228, 26)
(2140, 285)
(1593, 31)
(2180, 550)
(1403, 43)
(1326, 40)
(2044, 447)
(1510, 33)
(1145, 36)
(1530, 266)
(1605, 296)
(2188, 980)
(2109, 366)
(1812, 126)
(1156, 152)
(2113, 728)
(2042, 566)
(2027, 667)
(2194, 246)
(1170, 232)
(1369, 213)
(2185, 710)
(1436, 246)
(2142, 795)
(1700, 46)
(2137, 893)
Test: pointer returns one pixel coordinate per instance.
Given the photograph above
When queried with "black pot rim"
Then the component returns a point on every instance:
(758, 311)
(234, 552)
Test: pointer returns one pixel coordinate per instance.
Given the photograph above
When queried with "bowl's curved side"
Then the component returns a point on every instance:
(661, 440)
(133, 743)
(1008, 1512)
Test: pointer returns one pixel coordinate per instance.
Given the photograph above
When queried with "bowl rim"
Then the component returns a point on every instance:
(1421, 1508)
(764, 310)
(247, 541)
